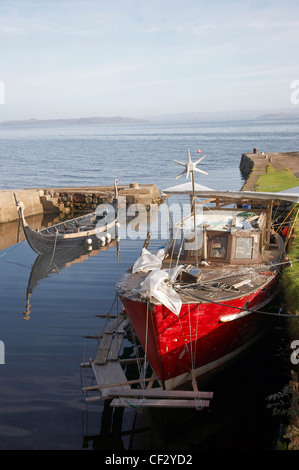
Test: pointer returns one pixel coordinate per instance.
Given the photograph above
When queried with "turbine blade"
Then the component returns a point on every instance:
(185, 171)
(201, 171)
(199, 160)
(180, 163)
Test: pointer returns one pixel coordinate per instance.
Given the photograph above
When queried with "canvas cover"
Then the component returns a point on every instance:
(158, 282)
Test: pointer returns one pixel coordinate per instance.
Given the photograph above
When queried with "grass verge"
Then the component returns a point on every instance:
(290, 277)
(274, 180)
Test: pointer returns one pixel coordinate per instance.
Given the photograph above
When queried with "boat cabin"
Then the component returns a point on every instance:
(233, 236)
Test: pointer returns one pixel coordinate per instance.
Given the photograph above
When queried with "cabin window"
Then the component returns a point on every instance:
(244, 248)
(218, 247)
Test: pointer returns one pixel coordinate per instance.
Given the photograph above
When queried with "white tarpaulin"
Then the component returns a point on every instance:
(155, 284)
(148, 261)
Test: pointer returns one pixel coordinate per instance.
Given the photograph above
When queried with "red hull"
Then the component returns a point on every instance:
(197, 339)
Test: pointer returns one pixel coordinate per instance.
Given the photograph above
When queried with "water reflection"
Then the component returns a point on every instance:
(51, 263)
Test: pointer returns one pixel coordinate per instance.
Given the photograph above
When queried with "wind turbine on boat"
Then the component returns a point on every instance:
(190, 168)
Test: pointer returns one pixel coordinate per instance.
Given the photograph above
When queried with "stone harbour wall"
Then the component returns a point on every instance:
(254, 164)
(73, 200)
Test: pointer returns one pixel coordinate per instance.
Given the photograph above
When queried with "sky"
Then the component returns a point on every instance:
(75, 58)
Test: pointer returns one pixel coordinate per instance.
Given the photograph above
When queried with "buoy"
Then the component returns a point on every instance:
(117, 224)
(108, 238)
(102, 241)
(198, 151)
(89, 241)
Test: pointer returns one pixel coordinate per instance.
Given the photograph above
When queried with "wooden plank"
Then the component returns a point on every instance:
(163, 403)
(115, 347)
(115, 323)
(96, 398)
(159, 393)
(107, 374)
(152, 381)
(102, 354)
(111, 343)
(123, 325)
(120, 383)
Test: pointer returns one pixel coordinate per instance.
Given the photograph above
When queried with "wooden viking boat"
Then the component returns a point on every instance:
(195, 306)
(81, 230)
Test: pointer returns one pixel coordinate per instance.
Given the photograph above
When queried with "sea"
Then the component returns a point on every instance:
(48, 325)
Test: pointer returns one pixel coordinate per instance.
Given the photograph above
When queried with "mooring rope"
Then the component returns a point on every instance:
(54, 248)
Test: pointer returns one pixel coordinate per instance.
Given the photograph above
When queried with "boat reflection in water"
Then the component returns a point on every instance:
(51, 262)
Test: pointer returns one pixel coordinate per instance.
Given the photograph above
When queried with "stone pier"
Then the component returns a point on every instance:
(73, 200)
(252, 165)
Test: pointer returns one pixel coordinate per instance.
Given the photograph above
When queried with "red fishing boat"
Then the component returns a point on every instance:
(198, 302)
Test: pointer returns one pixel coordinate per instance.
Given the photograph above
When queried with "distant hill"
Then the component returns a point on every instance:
(73, 122)
(213, 116)
(231, 115)
(279, 115)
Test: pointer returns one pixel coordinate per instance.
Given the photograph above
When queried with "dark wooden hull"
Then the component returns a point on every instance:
(79, 231)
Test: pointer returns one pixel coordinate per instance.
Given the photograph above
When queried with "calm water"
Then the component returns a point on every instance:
(41, 402)
(76, 156)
